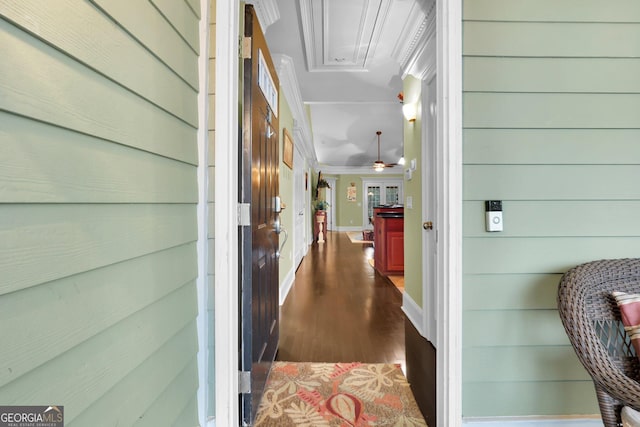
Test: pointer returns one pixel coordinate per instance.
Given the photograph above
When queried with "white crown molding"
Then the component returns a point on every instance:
(359, 170)
(383, 13)
(306, 19)
(267, 11)
(417, 42)
(289, 83)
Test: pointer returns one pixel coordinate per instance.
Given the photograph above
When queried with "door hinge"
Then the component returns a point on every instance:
(246, 48)
(244, 214)
(244, 382)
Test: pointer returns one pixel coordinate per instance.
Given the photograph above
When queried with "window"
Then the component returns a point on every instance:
(380, 192)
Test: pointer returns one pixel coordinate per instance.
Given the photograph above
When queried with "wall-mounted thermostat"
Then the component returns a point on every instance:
(493, 215)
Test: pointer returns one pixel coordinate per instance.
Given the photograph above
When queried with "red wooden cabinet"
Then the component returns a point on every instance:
(388, 226)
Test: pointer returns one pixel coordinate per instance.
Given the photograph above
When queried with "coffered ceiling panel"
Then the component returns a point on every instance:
(348, 58)
(341, 35)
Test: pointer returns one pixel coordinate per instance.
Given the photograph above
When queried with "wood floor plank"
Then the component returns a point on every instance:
(340, 309)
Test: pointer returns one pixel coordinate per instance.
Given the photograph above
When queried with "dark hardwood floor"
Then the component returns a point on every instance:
(340, 309)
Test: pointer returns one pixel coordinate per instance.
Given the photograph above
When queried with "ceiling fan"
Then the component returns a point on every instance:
(379, 165)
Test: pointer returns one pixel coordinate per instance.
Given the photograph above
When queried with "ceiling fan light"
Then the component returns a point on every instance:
(378, 166)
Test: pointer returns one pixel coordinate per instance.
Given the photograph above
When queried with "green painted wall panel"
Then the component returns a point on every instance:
(493, 399)
(413, 265)
(194, 5)
(510, 291)
(286, 191)
(501, 328)
(188, 417)
(551, 182)
(551, 110)
(560, 218)
(550, 39)
(593, 75)
(348, 213)
(82, 31)
(181, 18)
(171, 359)
(47, 242)
(40, 163)
(98, 364)
(98, 193)
(156, 34)
(552, 10)
(551, 146)
(25, 89)
(538, 255)
(168, 408)
(525, 363)
(551, 124)
(101, 298)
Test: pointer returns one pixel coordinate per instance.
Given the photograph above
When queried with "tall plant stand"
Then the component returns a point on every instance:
(320, 225)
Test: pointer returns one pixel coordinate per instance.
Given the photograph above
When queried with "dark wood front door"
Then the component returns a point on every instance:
(259, 240)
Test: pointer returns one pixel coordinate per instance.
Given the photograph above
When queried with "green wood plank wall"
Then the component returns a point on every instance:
(98, 193)
(551, 127)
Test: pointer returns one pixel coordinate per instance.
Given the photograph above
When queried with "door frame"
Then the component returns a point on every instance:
(449, 355)
(226, 274)
(383, 182)
(430, 283)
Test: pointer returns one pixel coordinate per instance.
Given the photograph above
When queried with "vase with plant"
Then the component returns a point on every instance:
(321, 205)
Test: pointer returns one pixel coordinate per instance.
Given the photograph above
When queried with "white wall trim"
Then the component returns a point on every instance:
(348, 228)
(301, 129)
(360, 170)
(569, 421)
(204, 399)
(287, 284)
(449, 134)
(413, 312)
(226, 223)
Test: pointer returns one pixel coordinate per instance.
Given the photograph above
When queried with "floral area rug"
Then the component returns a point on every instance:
(337, 394)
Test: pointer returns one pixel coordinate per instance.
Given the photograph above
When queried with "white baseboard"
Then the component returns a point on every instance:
(286, 285)
(568, 421)
(349, 228)
(413, 312)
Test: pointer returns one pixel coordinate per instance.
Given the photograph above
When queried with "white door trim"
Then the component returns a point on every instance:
(226, 213)
(449, 135)
(449, 68)
(431, 248)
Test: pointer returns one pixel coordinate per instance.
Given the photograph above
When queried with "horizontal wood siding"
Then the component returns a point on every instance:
(551, 127)
(98, 193)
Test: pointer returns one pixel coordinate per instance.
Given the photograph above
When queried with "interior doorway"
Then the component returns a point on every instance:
(380, 192)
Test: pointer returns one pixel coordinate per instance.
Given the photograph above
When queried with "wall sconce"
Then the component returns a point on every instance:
(410, 112)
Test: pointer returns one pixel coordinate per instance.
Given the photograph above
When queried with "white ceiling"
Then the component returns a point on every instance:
(347, 57)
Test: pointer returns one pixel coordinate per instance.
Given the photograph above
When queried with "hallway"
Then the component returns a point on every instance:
(340, 309)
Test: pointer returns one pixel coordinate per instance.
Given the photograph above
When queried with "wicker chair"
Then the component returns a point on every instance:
(591, 319)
